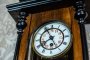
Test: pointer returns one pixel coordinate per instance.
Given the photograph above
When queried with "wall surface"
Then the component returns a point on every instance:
(88, 37)
(88, 9)
(8, 32)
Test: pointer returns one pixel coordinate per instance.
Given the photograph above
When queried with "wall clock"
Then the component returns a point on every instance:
(39, 25)
(52, 39)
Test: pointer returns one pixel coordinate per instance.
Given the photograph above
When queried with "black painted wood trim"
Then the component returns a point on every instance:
(30, 4)
(36, 6)
(84, 42)
(81, 15)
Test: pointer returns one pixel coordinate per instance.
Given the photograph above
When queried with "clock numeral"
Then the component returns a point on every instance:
(66, 36)
(50, 52)
(64, 30)
(52, 30)
(38, 46)
(59, 41)
(51, 26)
(58, 26)
(61, 37)
(59, 33)
(46, 28)
(59, 49)
(37, 40)
(43, 42)
(65, 43)
(43, 50)
(56, 30)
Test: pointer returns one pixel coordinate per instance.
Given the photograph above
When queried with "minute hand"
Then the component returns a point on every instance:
(47, 31)
(54, 42)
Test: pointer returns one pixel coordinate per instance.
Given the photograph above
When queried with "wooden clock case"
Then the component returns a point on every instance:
(32, 14)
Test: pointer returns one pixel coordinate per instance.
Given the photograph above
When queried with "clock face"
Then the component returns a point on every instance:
(52, 39)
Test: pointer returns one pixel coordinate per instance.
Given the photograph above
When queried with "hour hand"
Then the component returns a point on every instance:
(44, 42)
(48, 33)
(51, 37)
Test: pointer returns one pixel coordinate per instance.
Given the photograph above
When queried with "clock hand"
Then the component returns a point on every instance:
(54, 42)
(44, 42)
(51, 37)
(48, 32)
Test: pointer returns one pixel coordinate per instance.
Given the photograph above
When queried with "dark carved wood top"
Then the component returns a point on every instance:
(36, 6)
(30, 4)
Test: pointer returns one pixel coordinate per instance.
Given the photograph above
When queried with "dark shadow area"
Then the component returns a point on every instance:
(87, 2)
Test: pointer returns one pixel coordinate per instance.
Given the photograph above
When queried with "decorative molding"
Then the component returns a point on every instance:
(35, 6)
(30, 4)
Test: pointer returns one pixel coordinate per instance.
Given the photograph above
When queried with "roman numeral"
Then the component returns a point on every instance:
(65, 43)
(56, 30)
(64, 30)
(38, 46)
(43, 50)
(51, 26)
(46, 28)
(66, 36)
(58, 26)
(37, 40)
(59, 49)
(50, 52)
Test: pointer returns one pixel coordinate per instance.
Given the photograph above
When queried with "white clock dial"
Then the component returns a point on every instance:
(52, 39)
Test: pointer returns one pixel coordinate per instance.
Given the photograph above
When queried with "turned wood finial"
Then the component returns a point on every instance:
(21, 24)
(81, 13)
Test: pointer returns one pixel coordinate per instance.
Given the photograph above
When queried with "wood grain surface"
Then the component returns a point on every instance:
(63, 14)
(77, 46)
